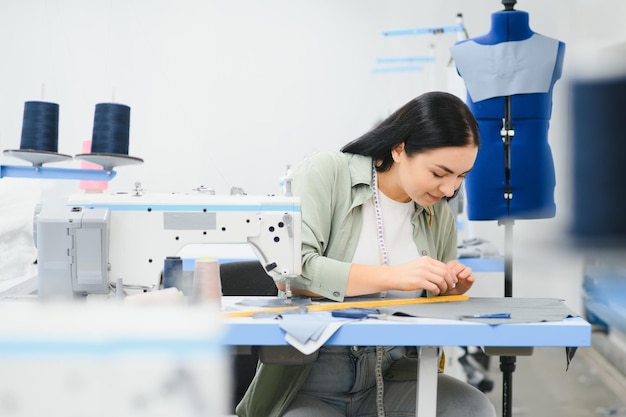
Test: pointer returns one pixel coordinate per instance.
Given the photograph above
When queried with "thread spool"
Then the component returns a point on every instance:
(207, 284)
(173, 272)
(111, 129)
(40, 134)
(110, 139)
(40, 126)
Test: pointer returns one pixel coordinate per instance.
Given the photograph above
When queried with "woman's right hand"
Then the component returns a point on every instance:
(423, 273)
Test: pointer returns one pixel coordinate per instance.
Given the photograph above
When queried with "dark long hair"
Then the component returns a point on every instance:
(429, 121)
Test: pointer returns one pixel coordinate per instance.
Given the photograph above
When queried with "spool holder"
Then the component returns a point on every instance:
(109, 160)
(55, 173)
(37, 170)
(37, 157)
(37, 153)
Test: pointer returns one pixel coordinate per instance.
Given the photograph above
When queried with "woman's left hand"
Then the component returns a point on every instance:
(465, 278)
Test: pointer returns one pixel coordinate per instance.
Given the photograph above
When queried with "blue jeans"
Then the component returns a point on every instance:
(342, 383)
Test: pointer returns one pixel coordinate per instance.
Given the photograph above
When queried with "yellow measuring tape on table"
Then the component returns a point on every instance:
(349, 304)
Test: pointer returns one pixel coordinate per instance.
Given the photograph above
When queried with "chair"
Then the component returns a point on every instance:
(245, 278)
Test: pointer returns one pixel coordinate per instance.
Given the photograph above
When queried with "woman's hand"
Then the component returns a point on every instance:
(465, 278)
(423, 273)
(426, 273)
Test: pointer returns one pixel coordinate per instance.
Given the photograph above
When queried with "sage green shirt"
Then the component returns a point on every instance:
(332, 187)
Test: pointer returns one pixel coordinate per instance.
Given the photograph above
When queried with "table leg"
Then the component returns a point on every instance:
(427, 371)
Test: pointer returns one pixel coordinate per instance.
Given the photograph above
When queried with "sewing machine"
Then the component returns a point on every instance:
(92, 240)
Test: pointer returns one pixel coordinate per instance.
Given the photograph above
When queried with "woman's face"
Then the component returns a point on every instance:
(429, 176)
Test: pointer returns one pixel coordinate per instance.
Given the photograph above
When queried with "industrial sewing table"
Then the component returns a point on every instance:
(425, 333)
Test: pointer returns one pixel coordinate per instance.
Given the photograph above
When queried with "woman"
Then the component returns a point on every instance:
(375, 220)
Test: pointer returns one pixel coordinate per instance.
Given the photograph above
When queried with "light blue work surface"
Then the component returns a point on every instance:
(484, 264)
(424, 333)
(571, 332)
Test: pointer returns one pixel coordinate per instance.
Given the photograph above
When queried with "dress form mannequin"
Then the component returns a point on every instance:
(509, 74)
(513, 64)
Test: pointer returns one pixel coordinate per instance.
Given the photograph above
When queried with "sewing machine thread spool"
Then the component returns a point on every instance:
(207, 284)
(40, 126)
(173, 272)
(111, 129)
(40, 134)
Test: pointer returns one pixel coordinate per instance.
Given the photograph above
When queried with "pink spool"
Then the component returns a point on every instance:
(207, 284)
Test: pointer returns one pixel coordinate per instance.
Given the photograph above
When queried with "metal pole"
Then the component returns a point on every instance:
(507, 363)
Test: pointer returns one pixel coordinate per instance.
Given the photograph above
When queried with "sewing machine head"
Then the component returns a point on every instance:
(92, 240)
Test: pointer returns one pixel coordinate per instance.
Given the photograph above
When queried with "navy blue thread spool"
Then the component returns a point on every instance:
(111, 127)
(110, 139)
(40, 126)
(40, 134)
(173, 272)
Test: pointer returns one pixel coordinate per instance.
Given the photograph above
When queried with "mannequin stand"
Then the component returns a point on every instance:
(507, 363)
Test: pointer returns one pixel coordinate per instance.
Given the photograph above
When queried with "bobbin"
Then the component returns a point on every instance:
(40, 134)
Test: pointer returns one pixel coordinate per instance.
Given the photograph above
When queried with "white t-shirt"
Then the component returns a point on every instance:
(398, 236)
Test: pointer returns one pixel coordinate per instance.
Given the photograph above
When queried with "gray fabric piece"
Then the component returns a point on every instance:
(522, 310)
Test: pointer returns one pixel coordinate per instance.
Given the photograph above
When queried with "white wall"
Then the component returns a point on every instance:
(229, 92)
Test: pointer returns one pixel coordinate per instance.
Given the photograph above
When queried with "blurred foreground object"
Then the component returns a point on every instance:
(17, 249)
(599, 150)
(598, 228)
(97, 360)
